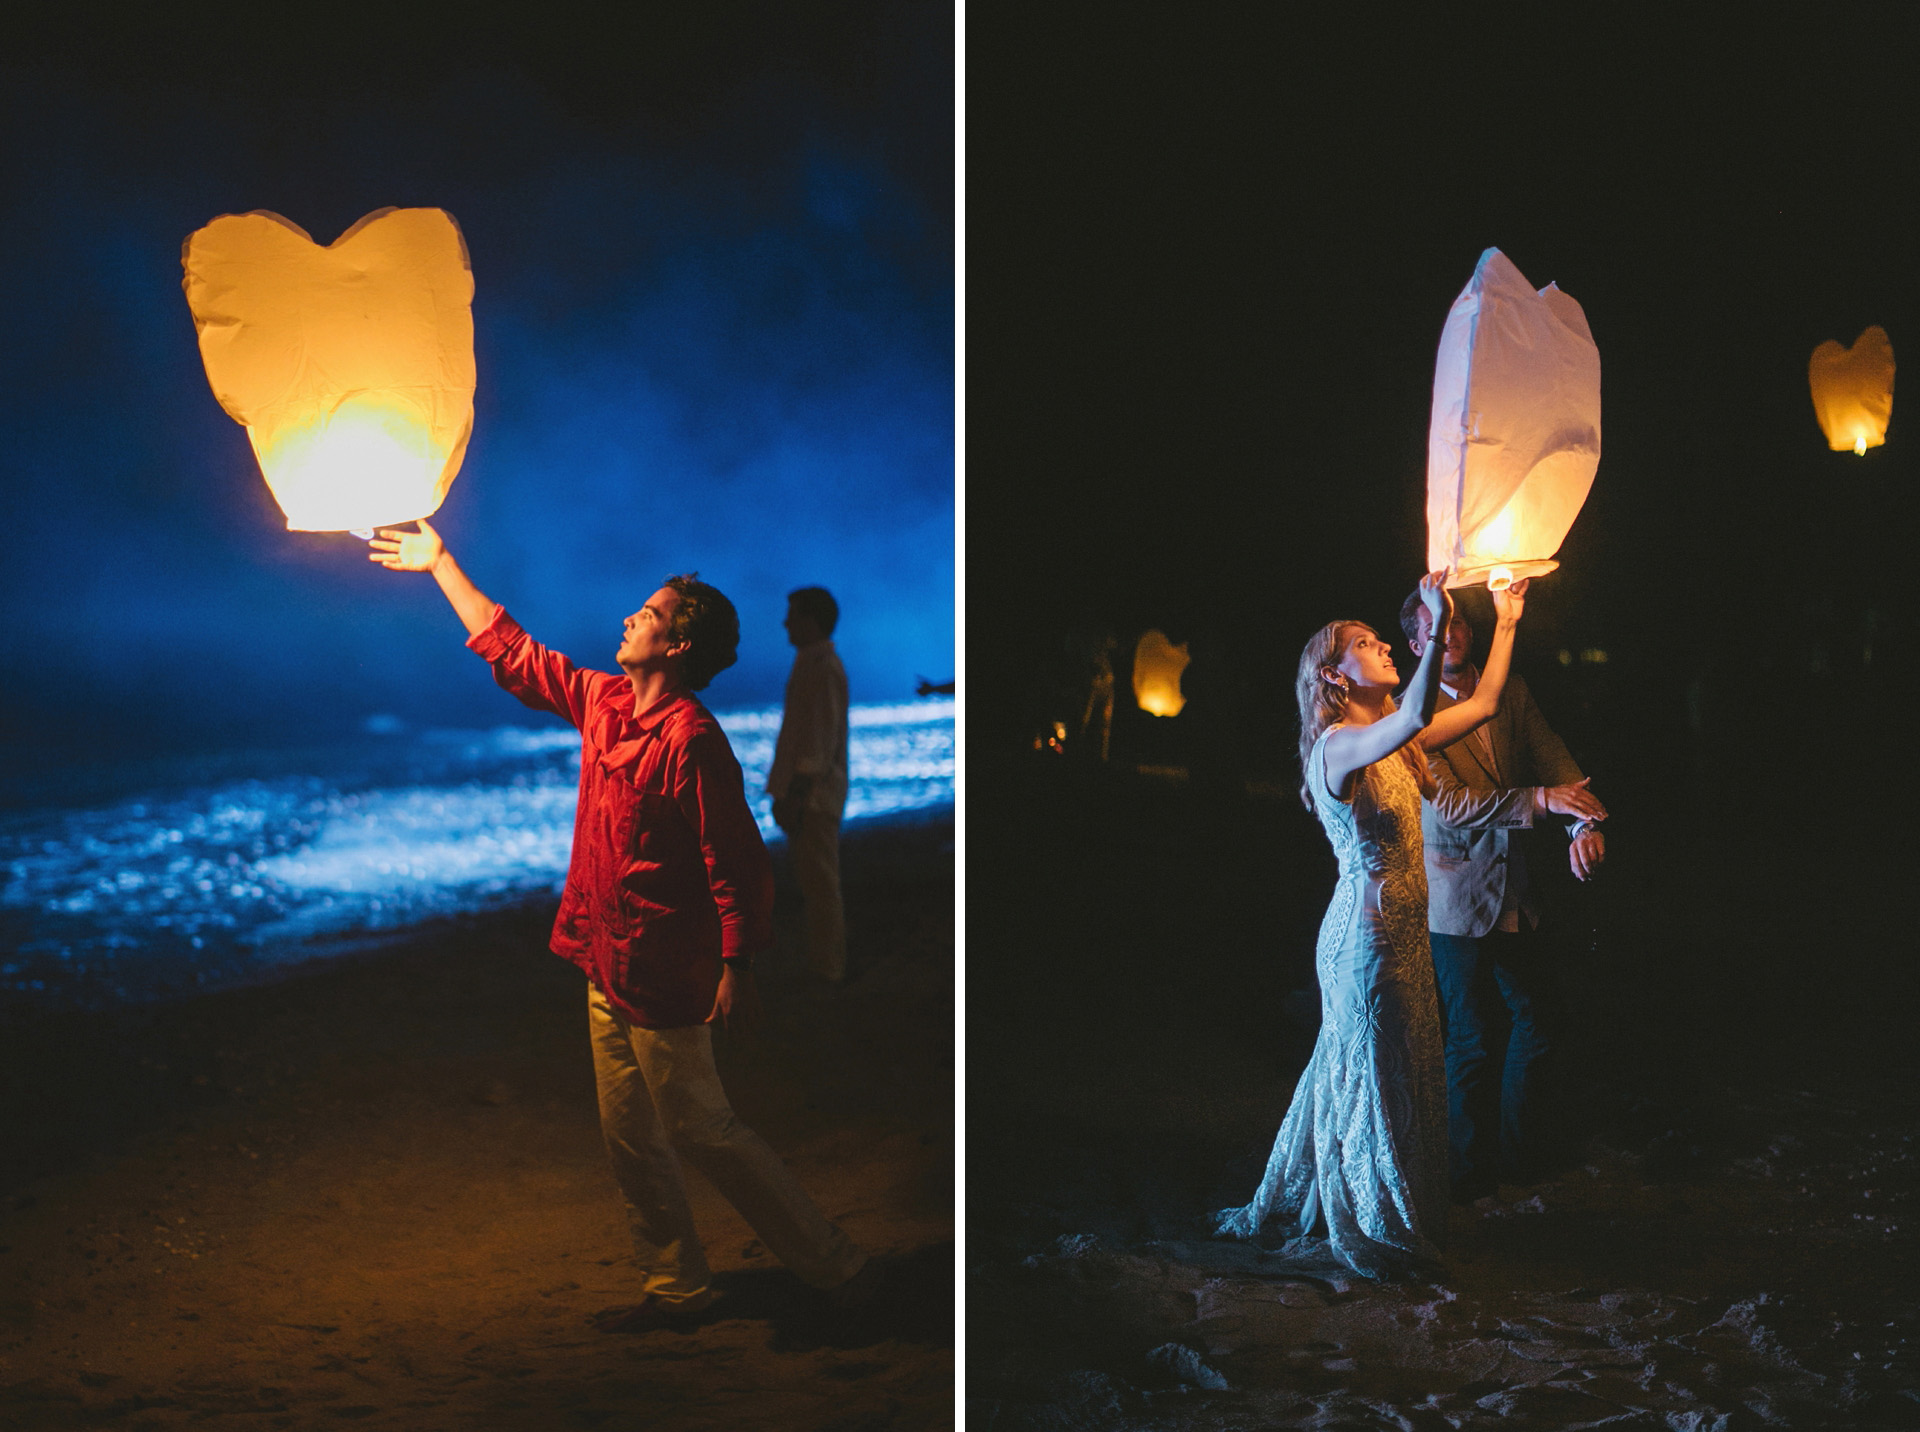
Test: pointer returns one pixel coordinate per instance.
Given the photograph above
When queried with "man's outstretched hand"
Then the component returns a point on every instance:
(1574, 800)
(736, 1004)
(399, 551)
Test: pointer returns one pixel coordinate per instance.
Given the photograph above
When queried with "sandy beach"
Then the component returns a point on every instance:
(373, 1193)
(1728, 1243)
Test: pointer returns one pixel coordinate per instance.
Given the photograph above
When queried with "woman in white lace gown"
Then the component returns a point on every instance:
(1363, 1148)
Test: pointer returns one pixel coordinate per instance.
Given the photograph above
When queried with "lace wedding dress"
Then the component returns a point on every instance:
(1364, 1144)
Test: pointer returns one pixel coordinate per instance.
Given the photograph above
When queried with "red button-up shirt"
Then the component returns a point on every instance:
(669, 874)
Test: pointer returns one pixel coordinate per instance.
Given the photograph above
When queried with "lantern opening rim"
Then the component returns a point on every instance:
(1476, 575)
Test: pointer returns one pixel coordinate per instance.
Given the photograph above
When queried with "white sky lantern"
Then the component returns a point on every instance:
(350, 366)
(1157, 664)
(1515, 437)
(1853, 390)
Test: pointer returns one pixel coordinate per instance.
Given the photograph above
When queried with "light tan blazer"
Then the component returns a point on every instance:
(1484, 804)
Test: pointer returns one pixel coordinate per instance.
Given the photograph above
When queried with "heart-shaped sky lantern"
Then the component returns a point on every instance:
(1853, 390)
(1515, 437)
(350, 366)
(1157, 665)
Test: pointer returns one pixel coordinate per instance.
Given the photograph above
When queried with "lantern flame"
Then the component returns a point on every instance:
(366, 464)
(1496, 536)
(1499, 579)
(1860, 446)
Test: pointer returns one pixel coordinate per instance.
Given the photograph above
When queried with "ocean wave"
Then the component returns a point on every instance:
(199, 885)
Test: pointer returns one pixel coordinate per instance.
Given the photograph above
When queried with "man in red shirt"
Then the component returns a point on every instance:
(669, 894)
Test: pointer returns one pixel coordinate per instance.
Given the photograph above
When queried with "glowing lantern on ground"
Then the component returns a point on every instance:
(1515, 437)
(1853, 390)
(1157, 664)
(350, 366)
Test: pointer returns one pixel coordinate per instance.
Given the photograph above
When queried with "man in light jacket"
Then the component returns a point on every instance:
(1482, 914)
(808, 781)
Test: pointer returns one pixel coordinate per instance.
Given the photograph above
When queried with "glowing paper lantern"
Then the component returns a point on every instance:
(1157, 664)
(1853, 390)
(1515, 437)
(350, 366)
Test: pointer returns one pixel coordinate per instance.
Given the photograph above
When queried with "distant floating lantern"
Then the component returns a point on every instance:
(1853, 390)
(350, 366)
(1157, 664)
(1515, 437)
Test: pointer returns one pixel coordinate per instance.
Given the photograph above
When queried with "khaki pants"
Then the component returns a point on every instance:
(816, 868)
(660, 1093)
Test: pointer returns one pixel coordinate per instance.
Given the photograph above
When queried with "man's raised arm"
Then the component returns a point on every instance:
(423, 551)
(542, 679)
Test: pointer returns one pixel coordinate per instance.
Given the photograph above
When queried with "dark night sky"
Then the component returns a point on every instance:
(1209, 254)
(713, 256)
(1210, 260)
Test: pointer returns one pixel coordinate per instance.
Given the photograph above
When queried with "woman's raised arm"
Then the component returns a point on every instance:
(1463, 716)
(1352, 748)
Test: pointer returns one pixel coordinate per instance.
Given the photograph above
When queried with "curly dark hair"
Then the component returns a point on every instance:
(707, 622)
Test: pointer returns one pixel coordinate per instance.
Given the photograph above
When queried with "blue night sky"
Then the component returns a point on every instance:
(713, 330)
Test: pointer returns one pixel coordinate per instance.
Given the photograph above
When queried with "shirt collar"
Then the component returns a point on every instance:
(649, 722)
(1454, 693)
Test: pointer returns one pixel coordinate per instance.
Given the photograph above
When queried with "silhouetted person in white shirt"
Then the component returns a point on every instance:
(808, 781)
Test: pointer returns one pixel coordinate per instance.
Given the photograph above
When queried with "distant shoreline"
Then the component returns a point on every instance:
(883, 843)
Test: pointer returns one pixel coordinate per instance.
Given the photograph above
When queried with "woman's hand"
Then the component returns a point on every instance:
(1438, 601)
(1511, 601)
(399, 551)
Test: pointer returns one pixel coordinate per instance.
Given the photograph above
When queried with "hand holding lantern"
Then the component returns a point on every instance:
(1438, 602)
(1510, 601)
(407, 551)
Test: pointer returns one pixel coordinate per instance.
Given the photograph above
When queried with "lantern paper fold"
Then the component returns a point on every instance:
(350, 366)
(1515, 436)
(1157, 665)
(1853, 390)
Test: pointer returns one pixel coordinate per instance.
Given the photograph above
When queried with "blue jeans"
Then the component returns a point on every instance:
(1494, 1123)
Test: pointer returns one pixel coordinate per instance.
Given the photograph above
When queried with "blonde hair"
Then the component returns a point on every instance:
(1321, 702)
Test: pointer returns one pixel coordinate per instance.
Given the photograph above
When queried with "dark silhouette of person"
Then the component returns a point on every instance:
(808, 780)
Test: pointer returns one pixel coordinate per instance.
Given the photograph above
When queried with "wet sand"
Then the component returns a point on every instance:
(1730, 1241)
(374, 1194)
